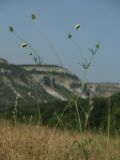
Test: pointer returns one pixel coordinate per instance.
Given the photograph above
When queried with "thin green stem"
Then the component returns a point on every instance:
(78, 115)
(55, 52)
(108, 129)
(28, 44)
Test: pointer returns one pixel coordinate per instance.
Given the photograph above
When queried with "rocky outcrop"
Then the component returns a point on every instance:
(102, 89)
(30, 82)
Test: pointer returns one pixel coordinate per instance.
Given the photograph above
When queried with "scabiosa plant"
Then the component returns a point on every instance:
(44, 35)
(38, 60)
(85, 64)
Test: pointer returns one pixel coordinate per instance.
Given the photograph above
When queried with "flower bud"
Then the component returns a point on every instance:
(11, 29)
(33, 16)
(69, 35)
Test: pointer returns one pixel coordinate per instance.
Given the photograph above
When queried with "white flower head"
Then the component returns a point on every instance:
(77, 26)
(23, 45)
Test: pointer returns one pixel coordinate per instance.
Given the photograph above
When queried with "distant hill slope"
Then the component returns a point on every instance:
(102, 89)
(36, 84)
(43, 83)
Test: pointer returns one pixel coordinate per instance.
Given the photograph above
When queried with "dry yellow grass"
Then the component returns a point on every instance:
(27, 142)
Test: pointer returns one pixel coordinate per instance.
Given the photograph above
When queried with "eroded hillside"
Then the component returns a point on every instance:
(43, 83)
(36, 84)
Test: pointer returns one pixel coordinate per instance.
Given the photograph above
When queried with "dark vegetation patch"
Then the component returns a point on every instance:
(50, 113)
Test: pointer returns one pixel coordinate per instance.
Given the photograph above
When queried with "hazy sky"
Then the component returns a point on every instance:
(99, 21)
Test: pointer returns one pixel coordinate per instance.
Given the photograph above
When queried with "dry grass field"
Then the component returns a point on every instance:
(27, 142)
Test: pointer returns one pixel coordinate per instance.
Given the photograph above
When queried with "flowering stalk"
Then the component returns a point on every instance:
(25, 44)
(55, 52)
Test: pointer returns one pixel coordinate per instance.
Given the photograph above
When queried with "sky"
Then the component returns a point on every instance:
(99, 23)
